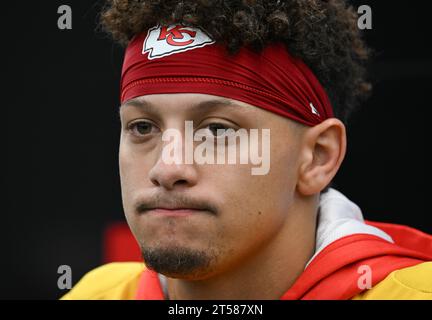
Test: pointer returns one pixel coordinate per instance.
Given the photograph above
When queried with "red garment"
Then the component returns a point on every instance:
(333, 273)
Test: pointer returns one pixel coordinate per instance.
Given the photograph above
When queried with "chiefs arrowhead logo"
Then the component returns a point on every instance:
(162, 41)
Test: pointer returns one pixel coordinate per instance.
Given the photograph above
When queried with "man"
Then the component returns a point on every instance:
(215, 70)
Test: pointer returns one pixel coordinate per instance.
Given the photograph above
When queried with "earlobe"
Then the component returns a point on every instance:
(323, 151)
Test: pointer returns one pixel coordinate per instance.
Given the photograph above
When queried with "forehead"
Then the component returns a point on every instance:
(188, 102)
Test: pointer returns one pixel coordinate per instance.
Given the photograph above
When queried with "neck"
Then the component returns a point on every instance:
(269, 273)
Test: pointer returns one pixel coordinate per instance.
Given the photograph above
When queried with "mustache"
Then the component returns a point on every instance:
(174, 201)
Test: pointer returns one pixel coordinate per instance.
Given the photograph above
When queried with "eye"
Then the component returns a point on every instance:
(218, 129)
(142, 128)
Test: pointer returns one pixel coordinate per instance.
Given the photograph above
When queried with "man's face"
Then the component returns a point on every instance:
(234, 213)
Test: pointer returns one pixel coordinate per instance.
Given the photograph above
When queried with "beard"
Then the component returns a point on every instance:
(177, 262)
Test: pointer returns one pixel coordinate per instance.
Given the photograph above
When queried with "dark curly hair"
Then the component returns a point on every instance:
(323, 33)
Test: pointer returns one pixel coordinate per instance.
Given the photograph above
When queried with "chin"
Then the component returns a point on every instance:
(180, 262)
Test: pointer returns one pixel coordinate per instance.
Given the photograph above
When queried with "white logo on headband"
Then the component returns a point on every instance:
(314, 110)
(162, 41)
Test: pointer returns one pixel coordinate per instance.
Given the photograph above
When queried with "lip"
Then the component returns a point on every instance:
(181, 212)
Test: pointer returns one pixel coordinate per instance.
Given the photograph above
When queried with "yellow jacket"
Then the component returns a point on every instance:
(119, 281)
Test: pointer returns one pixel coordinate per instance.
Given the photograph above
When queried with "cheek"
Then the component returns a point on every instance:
(126, 182)
(135, 160)
(272, 192)
(253, 207)
(127, 168)
(133, 167)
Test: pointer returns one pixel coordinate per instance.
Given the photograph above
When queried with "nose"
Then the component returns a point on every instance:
(171, 176)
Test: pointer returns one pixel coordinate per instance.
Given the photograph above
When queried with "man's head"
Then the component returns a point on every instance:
(324, 34)
(226, 216)
(237, 213)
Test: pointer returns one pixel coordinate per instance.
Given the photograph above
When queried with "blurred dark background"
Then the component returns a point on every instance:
(60, 90)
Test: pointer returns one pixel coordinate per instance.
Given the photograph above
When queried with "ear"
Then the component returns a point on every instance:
(321, 154)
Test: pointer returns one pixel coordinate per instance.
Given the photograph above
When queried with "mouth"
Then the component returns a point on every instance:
(174, 212)
(175, 207)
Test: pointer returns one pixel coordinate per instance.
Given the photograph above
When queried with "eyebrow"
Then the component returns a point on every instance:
(201, 107)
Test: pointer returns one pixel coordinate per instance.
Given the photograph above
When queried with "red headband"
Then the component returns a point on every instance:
(178, 59)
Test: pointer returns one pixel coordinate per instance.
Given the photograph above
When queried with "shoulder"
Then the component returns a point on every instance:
(413, 283)
(118, 280)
